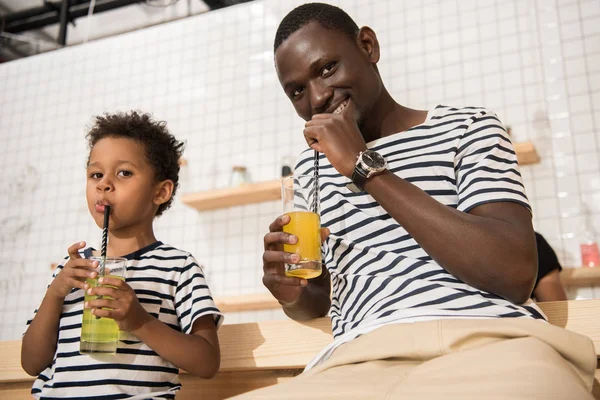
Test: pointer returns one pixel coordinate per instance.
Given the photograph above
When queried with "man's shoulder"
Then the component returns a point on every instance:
(441, 112)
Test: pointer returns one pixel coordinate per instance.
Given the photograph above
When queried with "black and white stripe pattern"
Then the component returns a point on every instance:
(461, 157)
(171, 287)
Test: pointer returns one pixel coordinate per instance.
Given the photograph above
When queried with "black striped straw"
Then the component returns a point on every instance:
(104, 242)
(315, 202)
(104, 239)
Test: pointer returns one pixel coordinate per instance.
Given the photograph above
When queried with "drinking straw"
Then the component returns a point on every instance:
(104, 242)
(315, 201)
(104, 239)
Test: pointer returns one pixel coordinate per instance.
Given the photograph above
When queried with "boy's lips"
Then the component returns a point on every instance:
(100, 206)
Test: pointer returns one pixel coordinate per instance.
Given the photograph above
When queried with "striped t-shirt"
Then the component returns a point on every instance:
(463, 158)
(169, 285)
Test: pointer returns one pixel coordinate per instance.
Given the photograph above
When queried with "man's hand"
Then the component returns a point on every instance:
(287, 290)
(73, 274)
(338, 137)
(123, 305)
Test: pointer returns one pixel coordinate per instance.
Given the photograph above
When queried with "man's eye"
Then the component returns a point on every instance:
(328, 68)
(125, 173)
(297, 92)
(96, 175)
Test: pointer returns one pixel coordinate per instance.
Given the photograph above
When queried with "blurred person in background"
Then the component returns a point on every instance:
(547, 286)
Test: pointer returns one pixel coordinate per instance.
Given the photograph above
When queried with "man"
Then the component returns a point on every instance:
(429, 251)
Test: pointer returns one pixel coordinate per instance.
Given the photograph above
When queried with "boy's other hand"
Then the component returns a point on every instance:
(74, 273)
(123, 305)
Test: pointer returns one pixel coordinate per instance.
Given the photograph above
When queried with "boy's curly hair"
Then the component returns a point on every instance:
(162, 150)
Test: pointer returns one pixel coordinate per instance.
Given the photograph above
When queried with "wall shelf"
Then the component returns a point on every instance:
(526, 153)
(271, 190)
(582, 276)
(570, 277)
(228, 197)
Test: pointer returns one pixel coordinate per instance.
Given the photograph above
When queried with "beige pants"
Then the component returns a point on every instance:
(451, 359)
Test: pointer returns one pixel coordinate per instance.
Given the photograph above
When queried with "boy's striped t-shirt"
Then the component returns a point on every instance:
(170, 285)
(463, 158)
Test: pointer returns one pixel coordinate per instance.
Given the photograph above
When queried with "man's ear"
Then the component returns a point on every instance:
(367, 41)
(163, 192)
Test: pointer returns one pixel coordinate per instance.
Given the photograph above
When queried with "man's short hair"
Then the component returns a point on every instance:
(328, 16)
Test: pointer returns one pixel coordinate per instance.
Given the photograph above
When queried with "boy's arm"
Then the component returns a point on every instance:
(196, 348)
(198, 352)
(40, 341)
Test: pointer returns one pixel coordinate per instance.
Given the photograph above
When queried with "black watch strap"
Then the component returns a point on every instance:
(359, 176)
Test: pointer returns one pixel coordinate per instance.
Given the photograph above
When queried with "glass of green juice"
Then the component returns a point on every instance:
(101, 335)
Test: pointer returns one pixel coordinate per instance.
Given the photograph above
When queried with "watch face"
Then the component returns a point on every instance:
(373, 160)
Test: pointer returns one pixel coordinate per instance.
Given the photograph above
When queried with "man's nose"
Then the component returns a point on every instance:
(320, 97)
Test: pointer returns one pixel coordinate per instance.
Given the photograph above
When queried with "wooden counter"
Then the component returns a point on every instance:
(260, 354)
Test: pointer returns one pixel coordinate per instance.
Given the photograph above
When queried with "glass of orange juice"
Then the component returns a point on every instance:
(301, 204)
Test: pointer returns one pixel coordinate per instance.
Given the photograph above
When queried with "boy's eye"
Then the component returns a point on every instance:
(96, 175)
(125, 173)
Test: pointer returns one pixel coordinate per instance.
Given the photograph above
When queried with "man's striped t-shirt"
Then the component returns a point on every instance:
(463, 158)
(170, 285)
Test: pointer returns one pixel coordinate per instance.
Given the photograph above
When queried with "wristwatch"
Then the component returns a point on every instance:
(369, 163)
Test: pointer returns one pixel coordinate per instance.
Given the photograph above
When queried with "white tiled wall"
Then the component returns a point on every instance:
(535, 62)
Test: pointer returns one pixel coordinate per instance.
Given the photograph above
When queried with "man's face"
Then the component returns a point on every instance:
(321, 69)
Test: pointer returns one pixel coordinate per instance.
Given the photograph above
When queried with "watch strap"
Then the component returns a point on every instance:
(359, 175)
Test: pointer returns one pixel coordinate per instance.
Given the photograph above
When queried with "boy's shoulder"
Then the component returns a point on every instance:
(157, 250)
(163, 251)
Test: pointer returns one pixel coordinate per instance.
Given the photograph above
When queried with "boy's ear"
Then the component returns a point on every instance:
(164, 191)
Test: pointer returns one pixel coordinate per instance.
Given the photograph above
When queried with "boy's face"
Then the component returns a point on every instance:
(320, 69)
(119, 175)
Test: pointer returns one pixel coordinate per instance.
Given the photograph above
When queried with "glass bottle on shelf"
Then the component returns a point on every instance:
(287, 165)
(239, 176)
(590, 254)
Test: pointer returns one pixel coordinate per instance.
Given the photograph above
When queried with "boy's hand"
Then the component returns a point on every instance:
(124, 306)
(73, 274)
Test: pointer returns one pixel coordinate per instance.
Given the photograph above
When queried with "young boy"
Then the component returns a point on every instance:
(164, 308)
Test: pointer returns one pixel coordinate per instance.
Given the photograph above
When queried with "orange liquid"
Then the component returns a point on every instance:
(306, 226)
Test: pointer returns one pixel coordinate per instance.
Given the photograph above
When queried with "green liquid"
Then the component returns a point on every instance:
(98, 335)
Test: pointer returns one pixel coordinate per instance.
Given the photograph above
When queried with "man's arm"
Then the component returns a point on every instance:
(301, 299)
(314, 300)
(491, 248)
